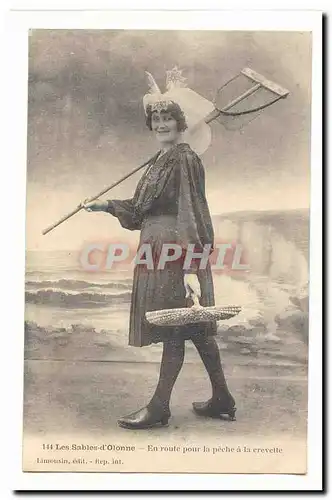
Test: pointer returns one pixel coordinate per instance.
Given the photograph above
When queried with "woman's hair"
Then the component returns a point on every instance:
(175, 111)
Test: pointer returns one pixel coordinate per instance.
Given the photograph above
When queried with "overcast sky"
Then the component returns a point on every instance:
(86, 121)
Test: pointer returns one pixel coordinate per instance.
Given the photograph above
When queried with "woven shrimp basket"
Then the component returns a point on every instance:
(194, 314)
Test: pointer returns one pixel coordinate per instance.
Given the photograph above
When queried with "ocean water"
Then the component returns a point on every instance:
(72, 313)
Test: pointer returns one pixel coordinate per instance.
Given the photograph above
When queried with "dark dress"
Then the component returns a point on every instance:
(169, 206)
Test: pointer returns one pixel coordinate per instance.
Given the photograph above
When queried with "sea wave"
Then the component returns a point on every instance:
(73, 284)
(71, 299)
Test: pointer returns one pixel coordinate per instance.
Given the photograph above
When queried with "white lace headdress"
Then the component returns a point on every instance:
(194, 106)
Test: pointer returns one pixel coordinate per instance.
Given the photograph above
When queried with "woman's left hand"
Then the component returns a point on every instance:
(192, 285)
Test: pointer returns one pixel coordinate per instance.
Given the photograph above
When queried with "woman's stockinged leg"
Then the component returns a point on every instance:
(208, 350)
(157, 411)
(171, 364)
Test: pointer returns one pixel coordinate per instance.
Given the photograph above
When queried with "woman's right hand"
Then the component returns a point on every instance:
(95, 206)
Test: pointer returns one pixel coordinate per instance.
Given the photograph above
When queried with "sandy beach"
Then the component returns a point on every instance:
(79, 402)
(75, 397)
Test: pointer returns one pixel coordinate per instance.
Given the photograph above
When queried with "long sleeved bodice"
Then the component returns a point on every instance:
(174, 185)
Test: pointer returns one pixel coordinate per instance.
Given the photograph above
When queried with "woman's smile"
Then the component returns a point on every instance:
(165, 127)
(163, 131)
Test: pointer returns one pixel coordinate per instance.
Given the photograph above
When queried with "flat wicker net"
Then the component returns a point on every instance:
(194, 314)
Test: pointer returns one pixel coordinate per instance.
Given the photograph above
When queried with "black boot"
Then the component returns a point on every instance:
(216, 407)
(151, 415)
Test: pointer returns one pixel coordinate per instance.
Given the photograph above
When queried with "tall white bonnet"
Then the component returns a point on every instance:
(194, 106)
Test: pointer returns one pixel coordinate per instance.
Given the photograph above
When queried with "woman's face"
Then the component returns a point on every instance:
(165, 127)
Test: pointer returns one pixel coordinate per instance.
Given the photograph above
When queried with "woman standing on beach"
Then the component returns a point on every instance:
(169, 207)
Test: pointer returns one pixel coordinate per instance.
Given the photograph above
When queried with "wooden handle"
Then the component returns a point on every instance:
(211, 116)
(65, 217)
(79, 208)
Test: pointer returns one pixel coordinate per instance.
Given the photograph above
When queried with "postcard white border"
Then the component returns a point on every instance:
(14, 173)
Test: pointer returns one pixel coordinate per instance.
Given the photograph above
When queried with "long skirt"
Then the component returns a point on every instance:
(155, 289)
